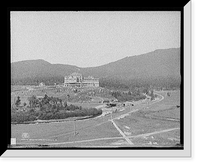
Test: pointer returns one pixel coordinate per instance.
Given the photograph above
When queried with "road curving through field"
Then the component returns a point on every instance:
(112, 120)
(122, 115)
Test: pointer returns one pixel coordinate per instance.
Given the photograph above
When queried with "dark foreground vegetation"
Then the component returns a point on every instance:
(47, 108)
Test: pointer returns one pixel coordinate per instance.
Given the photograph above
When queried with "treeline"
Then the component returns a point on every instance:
(126, 84)
(114, 82)
(37, 80)
(48, 108)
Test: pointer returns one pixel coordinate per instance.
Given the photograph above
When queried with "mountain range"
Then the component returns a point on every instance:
(159, 64)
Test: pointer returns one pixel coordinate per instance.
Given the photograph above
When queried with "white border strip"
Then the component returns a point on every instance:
(187, 79)
(136, 153)
(96, 153)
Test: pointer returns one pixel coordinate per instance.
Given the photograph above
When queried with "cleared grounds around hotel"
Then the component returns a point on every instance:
(150, 123)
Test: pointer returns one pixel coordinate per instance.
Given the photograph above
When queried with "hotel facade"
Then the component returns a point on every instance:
(77, 80)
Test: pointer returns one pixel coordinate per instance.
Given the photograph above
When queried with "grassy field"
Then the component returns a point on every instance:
(141, 125)
(147, 127)
(167, 139)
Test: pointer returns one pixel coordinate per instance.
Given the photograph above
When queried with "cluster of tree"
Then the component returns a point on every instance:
(152, 95)
(128, 96)
(134, 93)
(47, 108)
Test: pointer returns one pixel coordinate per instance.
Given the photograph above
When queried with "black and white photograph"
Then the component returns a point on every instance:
(103, 80)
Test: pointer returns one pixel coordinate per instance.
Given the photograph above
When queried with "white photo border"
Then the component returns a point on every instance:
(186, 152)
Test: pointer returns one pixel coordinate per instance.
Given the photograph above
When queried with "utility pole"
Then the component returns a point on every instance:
(74, 127)
(74, 130)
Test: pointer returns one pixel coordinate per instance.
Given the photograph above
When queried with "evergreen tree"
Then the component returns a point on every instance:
(32, 101)
(152, 95)
(18, 102)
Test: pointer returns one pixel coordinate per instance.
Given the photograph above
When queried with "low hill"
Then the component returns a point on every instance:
(39, 68)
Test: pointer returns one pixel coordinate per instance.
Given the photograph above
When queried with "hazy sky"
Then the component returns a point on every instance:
(87, 39)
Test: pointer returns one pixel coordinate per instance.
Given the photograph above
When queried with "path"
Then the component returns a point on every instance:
(122, 116)
(152, 133)
(113, 138)
(122, 133)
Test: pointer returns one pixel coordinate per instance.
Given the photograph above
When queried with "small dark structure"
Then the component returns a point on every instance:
(111, 104)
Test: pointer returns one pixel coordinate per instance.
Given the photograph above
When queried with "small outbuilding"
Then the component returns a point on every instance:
(41, 84)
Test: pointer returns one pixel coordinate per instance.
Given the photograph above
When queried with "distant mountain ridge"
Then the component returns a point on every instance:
(162, 63)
